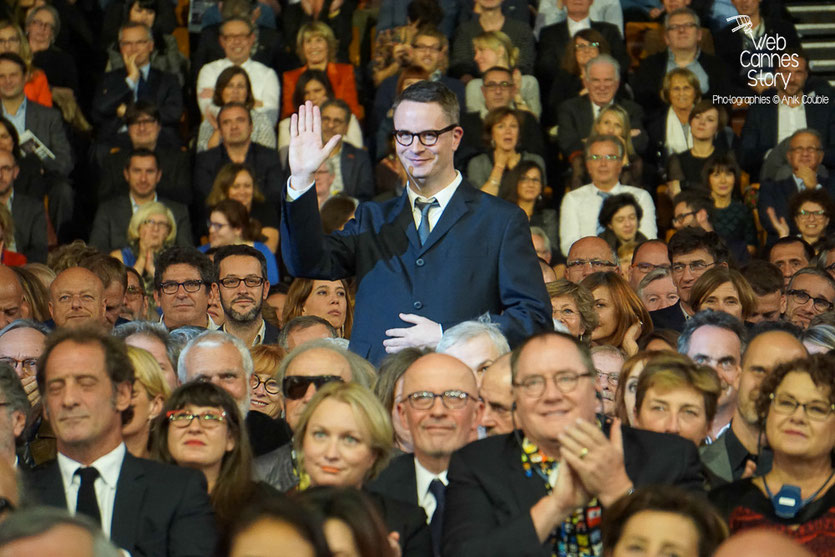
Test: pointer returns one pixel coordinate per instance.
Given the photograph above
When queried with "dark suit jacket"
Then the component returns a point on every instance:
(265, 433)
(29, 227)
(398, 480)
(777, 195)
(407, 520)
(163, 90)
(160, 510)
(263, 160)
(553, 41)
(759, 134)
(175, 183)
(477, 259)
(357, 175)
(669, 318)
(649, 77)
(46, 123)
(575, 117)
(489, 496)
(110, 225)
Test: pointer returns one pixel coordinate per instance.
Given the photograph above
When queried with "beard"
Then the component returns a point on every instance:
(238, 317)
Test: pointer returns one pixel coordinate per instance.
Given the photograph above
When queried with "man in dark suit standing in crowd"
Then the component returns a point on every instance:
(407, 247)
(528, 492)
(145, 507)
(421, 478)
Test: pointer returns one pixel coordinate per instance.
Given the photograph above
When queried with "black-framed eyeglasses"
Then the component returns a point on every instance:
(294, 387)
(816, 410)
(695, 267)
(190, 286)
(816, 214)
(27, 365)
(596, 264)
(680, 218)
(802, 297)
(682, 27)
(234, 282)
(452, 399)
(426, 137)
(534, 385)
(183, 418)
(270, 384)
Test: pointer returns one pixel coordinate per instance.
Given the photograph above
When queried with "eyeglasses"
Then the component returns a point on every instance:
(426, 137)
(682, 27)
(816, 410)
(534, 385)
(680, 218)
(695, 267)
(727, 363)
(295, 387)
(610, 158)
(156, 223)
(491, 85)
(806, 149)
(234, 282)
(27, 365)
(802, 297)
(811, 214)
(270, 385)
(611, 378)
(10, 41)
(171, 287)
(596, 264)
(648, 267)
(583, 46)
(424, 400)
(208, 420)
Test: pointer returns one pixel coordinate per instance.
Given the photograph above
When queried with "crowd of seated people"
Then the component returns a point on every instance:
(267, 288)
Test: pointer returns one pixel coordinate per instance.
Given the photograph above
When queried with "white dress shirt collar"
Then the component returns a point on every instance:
(423, 478)
(442, 197)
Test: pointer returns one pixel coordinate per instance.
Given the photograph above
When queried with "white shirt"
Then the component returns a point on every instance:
(609, 11)
(265, 86)
(442, 198)
(789, 120)
(109, 467)
(423, 478)
(581, 207)
(576, 26)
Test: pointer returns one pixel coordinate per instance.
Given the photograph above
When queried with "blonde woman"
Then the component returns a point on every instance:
(152, 228)
(495, 49)
(150, 390)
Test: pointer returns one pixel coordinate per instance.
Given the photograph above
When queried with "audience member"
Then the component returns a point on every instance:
(496, 390)
(149, 392)
(354, 176)
(819, 338)
(76, 299)
(621, 317)
(153, 338)
(685, 170)
(809, 293)
(476, 343)
(588, 255)
(329, 299)
(184, 282)
(303, 328)
(572, 305)
(43, 530)
(628, 385)
(791, 254)
(657, 290)
(608, 361)
(811, 211)
(766, 280)
(648, 256)
(524, 186)
(30, 234)
(266, 391)
(760, 542)
(389, 389)
(723, 289)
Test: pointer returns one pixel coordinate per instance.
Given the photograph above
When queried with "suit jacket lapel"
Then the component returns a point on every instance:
(49, 486)
(406, 221)
(526, 490)
(455, 209)
(130, 490)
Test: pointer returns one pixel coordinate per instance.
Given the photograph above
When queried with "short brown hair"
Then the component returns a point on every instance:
(300, 290)
(703, 106)
(691, 78)
(226, 177)
(716, 277)
(819, 368)
(669, 370)
(223, 80)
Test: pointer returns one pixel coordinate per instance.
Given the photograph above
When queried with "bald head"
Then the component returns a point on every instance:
(455, 412)
(76, 298)
(497, 393)
(590, 248)
(12, 304)
(761, 543)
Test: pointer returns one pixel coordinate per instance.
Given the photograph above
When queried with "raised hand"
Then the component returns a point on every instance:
(780, 225)
(306, 151)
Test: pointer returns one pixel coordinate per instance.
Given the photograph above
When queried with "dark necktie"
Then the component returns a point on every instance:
(142, 90)
(87, 503)
(438, 489)
(423, 227)
(604, 195)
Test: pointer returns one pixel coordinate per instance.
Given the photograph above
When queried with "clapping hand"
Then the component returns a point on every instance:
(306, 150)
(780, 225)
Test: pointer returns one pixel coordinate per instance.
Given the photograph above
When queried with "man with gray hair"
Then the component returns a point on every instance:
(154, 338)
(576, 115)
(810, 292)
(826, 259)
(581, 207)
(541, 244)
(52, 531)
(716, 339)
(301, 374)
(657, 290)
(224, 360)
(477, 343)
(14, 409)
(682, 33)
(304, 328)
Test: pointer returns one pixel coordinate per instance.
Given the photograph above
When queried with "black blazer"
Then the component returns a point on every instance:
(110, 226)
(575, 117)
(669, 318)
(489, 496)
(29, 227)
(357, 176)
(553, 41)
(407, 520)
(163, 90)
(160, 510)
(649, 77)
(263, 160)
(175, 183)
(48, 125)
(398, 480)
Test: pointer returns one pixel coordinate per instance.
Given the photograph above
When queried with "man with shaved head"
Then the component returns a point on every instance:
(76, 298)
(736, 453)
(12, 304)
(761, 542)
(497, 393)
(441, 409)
(589, 255)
